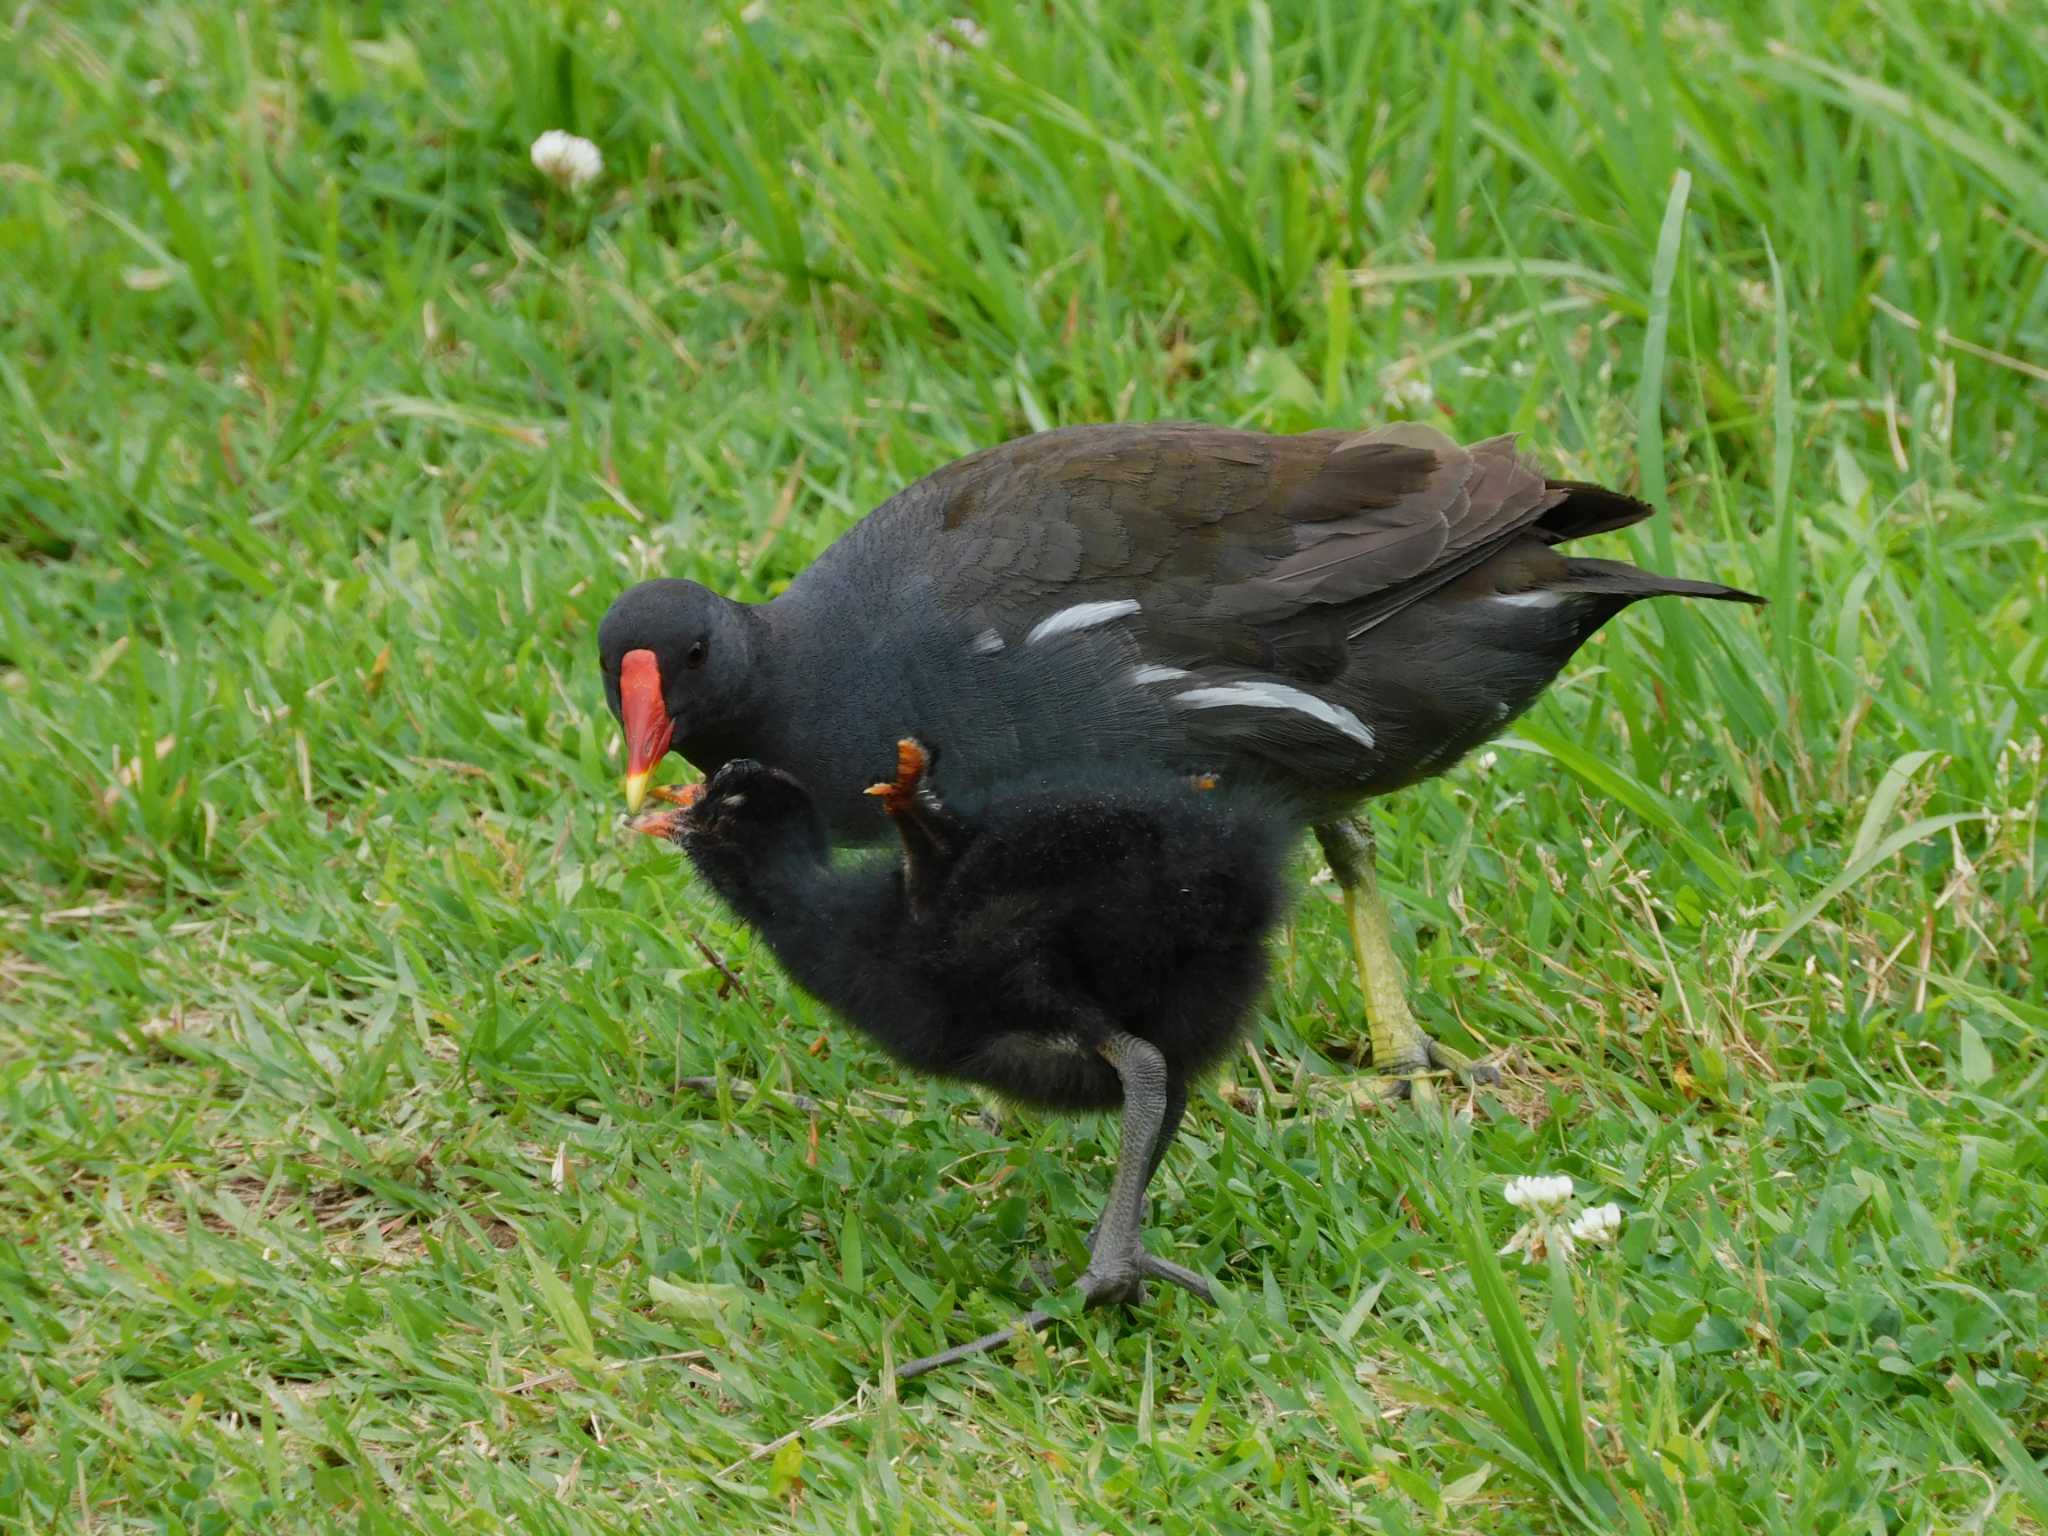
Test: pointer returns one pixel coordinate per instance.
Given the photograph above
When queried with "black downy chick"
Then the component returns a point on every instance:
(1082, 947)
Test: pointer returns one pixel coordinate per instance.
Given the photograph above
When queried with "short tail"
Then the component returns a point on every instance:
(1611, 578)
(1582, 510)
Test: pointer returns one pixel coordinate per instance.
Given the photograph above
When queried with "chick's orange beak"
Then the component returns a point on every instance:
(658, 823)
(645, 717)
(667, 824)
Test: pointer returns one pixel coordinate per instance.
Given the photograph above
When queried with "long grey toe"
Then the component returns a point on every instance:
(1030, 1322)
(1174, 1274)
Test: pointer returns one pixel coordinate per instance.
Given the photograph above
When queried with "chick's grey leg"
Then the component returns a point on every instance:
(1154, 1102)
(1169, 1125)
(1118, 1265)
(1175, 1107)
(1116, 1255)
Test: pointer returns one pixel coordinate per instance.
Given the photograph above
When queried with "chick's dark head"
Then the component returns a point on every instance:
(744, 806)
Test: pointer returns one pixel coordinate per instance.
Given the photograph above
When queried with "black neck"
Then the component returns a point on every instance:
(833, 930)
(770, 882)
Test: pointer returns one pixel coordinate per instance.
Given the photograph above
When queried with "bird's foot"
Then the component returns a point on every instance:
(1406, 1061)
(899, 796)
(1109, 1280)
(1119, 1280)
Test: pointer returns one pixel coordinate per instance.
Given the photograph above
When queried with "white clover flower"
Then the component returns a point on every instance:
(567, 161)
(1405, 383)
(1534, 1239)
(1596, 1224)
(1545, 1192)
(965, 32)
(1547, 1231)
(1543, 1196)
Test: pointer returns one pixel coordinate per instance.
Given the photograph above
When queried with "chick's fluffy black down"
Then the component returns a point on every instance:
(1058, 917)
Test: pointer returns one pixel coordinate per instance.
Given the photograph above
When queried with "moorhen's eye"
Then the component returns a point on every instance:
(696, 657)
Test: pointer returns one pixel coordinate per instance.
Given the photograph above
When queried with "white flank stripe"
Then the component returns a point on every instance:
(987, 643)
(1529, 599)
(1277, 696)
(1144, 675)
(1080, 616)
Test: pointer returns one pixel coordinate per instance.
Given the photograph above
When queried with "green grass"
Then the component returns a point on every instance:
(344, 1177)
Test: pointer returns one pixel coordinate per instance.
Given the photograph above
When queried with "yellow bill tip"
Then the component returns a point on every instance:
(636, 791)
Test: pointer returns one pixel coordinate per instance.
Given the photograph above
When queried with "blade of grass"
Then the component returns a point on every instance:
(1647, 803)
(1996, 1436)
(1857, 868)
(1885, 798)
(1650, 418)
(259, 216)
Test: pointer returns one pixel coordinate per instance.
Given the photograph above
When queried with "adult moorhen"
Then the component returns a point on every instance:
(1339, 613)
(1088, 942)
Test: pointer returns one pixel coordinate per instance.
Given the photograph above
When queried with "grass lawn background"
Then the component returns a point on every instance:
(345, 1179)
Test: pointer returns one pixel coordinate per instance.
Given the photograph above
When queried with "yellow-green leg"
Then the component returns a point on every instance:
(1402, 1050)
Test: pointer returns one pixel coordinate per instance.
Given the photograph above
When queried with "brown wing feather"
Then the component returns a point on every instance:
(1424, 511)
(1232, 532)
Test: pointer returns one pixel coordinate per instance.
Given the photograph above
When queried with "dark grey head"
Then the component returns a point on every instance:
(678, 674)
